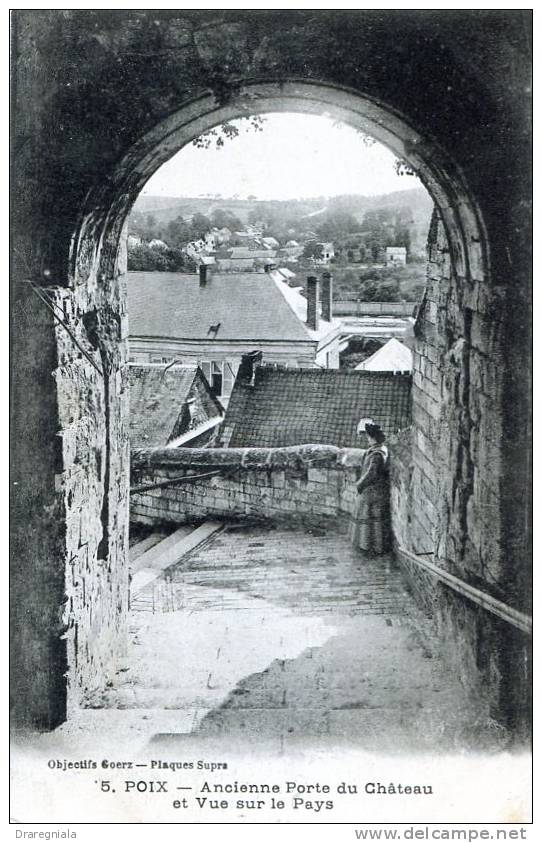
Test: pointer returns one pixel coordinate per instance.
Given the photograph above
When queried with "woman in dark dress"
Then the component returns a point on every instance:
(371, 523)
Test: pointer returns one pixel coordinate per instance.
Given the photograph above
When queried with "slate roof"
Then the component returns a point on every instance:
(159, 396)
(316, 406)
(248, 306)
(236, 252)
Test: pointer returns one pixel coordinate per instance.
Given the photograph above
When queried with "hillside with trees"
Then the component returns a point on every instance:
(360, 227)
(283, 215)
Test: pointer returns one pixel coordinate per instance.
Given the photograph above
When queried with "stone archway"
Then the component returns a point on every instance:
(459, 233)
(95, 242)
(76, 612)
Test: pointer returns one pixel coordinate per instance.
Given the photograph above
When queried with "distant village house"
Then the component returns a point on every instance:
(242, 259)
(396, 256)
(328, 253)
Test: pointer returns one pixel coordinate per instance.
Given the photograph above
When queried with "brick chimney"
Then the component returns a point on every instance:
(247, 369)
(312, 303)
(203, 274)
(327, 296)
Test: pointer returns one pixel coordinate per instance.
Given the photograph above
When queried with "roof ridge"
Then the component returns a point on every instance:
(317, 370)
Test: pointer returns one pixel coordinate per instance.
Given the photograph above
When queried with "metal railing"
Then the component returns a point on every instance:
(506, 613)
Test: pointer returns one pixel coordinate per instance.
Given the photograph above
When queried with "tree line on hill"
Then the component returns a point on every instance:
(398, 283)
(378, 228)
(180, 231)
(176, 234)
(145, 258)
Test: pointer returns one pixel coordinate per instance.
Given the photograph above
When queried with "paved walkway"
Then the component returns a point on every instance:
(286, 656)
(277, 636)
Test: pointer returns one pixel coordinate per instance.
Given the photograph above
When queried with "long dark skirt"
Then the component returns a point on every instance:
(370, 529)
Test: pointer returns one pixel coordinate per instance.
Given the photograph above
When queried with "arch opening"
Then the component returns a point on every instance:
(96, 240)
(98, 257)
(459, 238)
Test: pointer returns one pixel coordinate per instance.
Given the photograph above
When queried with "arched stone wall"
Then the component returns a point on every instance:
(102, 98)
(107, 206)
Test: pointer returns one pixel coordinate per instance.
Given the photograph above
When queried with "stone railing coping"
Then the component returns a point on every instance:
(321, 456)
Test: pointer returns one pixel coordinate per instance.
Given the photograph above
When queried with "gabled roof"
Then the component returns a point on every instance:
(392, 357)
(244, 252)
(248, 306)
(159, 403)
(313, 406)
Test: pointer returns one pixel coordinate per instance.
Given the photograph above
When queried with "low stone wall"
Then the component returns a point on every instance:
(310, 484)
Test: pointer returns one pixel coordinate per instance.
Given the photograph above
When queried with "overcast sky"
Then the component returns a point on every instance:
(296, 155)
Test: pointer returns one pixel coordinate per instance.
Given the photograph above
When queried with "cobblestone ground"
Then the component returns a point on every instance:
(285, 637)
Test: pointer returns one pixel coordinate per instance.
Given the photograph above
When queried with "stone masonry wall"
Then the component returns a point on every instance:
(37, 572)
(447, 487)
(312, 484)
(72, 570)
(69, 450)
(93, 438)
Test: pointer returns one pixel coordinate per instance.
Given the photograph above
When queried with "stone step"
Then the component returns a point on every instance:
(145, 544)
(161, 548)
(169, 552)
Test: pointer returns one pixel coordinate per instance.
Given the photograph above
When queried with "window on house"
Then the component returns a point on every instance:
(220, 375)
(230, 370)
(214, 375)
(216, 378)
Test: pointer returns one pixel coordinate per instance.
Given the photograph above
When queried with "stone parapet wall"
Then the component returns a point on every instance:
(311, 484)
